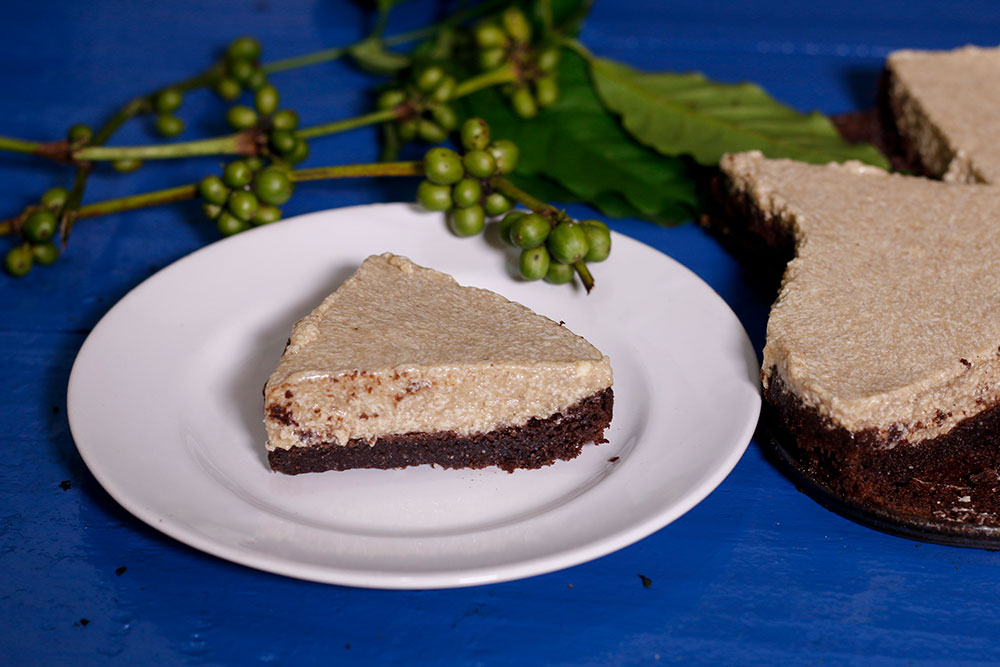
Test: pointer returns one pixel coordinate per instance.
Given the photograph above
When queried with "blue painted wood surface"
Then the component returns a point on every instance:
(756, 574)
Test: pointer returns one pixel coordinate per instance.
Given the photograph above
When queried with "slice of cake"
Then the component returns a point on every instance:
(881, 369)
(939, 110)
(402, 366)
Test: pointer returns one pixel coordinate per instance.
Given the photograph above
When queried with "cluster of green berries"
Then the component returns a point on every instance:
(165, 104)
(38, 229)
(426, 113)
(247, 194)
(249, 191)
(281, 141)
(509, 40)
(550, 250)
(239, 69)
(462, 185)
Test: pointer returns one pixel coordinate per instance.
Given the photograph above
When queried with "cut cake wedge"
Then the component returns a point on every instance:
(401, 366)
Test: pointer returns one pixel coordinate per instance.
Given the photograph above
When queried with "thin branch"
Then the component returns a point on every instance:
(505, 187)
(241, 143)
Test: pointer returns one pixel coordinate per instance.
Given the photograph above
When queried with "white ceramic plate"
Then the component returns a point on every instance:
(166, 409)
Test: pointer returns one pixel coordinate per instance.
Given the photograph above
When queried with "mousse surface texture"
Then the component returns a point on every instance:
(402, 366)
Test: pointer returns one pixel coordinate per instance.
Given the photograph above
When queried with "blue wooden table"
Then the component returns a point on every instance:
(756, 574)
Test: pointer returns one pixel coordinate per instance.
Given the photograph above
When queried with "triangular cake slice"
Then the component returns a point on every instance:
(882, 359)
(938, 109)
(402, 366)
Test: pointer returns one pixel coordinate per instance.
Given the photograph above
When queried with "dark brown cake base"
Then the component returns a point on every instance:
(759, 241)
(878, 127)
(946, 489)
(538, 443)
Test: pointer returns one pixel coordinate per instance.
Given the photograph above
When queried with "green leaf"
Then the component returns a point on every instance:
(689, 114)
(610, 204)
(372, 56)
(584, 149)
(544, 188)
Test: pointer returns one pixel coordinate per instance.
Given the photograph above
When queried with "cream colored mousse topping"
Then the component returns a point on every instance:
(889, 315)
(400, 348)
(947, 104)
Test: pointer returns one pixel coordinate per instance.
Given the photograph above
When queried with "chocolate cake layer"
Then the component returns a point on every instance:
(759, 241)
(878, 127)
(902, 152)
(539, 442)
(953, 477)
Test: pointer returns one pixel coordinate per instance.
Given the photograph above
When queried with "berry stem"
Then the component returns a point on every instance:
(494, 77)
(505, 187)
(132, 202)
(413, 168)
(58, 150)
(335, 53)
(129, 110)
(554, 215)
(314, 58)
(585, 277)
(242, 143)
(15, 145)
(70, 211)
(380, 116)
(182, 192)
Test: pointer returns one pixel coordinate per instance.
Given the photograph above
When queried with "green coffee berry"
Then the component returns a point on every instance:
(529, 231)
(45, 253)
(506, 154)
(559, 274)
(479, 163)
(496, 204)
(475, 134)
(434, 197)
(467, 221)
(598, 240)
(55, 198)
(567, 242)
(534, 263)
(466, 192)
(443, 166)
(168, 100)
